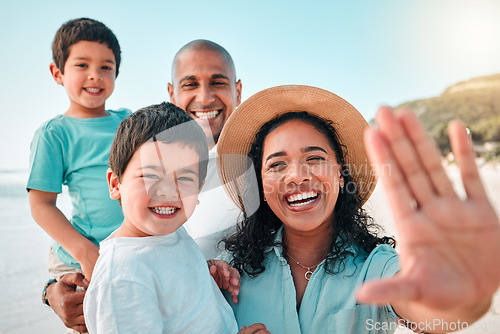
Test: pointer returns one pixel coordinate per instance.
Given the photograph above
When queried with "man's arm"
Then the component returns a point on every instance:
(52, 220)
(67, 303)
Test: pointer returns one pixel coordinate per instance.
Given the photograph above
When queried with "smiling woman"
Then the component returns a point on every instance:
(306, 255)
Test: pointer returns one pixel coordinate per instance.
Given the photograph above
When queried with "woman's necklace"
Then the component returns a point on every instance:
(309, 272)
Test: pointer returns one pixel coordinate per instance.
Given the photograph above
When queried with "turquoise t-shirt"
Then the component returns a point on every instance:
(74, 152)
(329, 301)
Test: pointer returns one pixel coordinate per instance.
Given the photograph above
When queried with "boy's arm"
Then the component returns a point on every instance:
(52, 220)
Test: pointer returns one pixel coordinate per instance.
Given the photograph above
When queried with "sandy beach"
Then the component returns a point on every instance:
(24, 248)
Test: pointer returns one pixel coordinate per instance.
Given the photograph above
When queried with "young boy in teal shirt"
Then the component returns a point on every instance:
(72, 149)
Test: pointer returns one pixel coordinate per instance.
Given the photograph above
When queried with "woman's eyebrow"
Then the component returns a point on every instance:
(313, 148)
(276, 154)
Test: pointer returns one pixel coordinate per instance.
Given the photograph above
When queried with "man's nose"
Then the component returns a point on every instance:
(205, 95)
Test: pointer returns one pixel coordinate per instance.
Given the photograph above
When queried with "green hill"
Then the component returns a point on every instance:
(475, 102)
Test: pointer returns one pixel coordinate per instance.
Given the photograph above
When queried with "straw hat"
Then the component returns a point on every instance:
(240, 129)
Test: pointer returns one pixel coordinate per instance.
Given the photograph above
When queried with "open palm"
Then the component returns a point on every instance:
(449, 247)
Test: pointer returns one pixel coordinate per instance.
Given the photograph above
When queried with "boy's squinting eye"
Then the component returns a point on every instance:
(150, 176)
(185, 178)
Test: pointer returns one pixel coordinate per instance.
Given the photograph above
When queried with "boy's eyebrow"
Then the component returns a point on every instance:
(188, 170)
(153, 167)
(112, 61)
(159, 169)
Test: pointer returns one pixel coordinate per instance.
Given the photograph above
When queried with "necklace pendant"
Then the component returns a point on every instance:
(308, 274)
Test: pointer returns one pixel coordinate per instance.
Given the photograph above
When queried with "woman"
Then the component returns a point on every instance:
(309, 245)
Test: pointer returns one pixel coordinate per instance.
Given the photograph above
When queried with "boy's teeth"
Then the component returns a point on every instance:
(308, 196)
(206, 114)
(93, 90)
(164, 210)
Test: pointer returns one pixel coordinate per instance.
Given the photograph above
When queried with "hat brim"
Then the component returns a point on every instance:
(242, 126)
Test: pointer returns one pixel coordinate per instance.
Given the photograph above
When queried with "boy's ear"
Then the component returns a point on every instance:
(171, 93)
(56, 73)
(113, 184)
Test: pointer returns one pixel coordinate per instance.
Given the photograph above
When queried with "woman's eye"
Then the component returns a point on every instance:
(276, 166)
(315, 159)
(150, 176)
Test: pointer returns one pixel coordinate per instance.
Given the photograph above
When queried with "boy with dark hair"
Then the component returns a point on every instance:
(151, 277)
(72, 149)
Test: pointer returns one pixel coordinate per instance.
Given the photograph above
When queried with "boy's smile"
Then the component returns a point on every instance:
(89, 78)
(158, 190)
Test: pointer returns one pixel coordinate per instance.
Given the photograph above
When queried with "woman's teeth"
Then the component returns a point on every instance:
(302, 198)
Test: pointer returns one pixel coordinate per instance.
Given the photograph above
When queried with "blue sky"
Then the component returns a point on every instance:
(368, 52)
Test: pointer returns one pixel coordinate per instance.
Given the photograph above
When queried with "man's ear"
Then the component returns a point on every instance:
(238, 92)
(113, 184)
(171, 93)
(56, 73)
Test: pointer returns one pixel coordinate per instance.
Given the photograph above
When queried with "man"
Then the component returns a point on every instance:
(204, 85)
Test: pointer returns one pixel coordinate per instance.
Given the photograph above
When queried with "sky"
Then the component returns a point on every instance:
(371, 53)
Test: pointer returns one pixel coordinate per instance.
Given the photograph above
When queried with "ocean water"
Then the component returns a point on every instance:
(23, 261)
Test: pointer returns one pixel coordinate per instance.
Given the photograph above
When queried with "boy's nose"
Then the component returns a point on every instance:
(95, 74)
(165, 189)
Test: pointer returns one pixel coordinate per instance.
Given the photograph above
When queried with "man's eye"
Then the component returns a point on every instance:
(190, 85)
(218, 83)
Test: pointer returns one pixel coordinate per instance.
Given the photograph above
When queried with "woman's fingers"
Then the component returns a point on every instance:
(464, 153)
(428, 153)
(397, 191)
(405, 154)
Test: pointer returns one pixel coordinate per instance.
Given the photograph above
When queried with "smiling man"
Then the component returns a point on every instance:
(204, 85)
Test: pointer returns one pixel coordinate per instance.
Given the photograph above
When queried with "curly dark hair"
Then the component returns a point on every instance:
(352, 226)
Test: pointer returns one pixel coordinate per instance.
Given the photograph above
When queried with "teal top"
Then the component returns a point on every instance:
(329, 302)
(74, 152)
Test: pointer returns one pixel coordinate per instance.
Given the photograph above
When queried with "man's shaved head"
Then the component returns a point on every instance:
(204, 85)
(199, 45)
